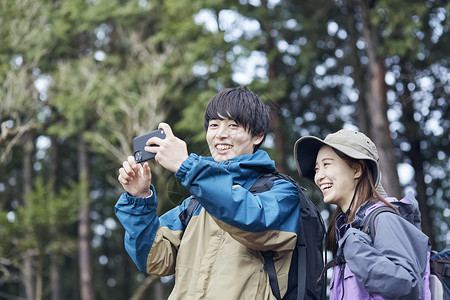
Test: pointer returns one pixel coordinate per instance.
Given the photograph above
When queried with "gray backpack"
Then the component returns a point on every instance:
(439, 261)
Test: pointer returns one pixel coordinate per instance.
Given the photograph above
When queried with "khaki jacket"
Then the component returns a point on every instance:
(217, 256)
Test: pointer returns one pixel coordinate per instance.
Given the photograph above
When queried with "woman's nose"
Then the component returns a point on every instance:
(318, 175)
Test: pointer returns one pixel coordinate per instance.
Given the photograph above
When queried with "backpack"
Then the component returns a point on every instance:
(307, 259)
(440, 274)
(439, 279)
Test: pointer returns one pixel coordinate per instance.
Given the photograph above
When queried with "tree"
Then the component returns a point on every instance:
(85, 77)
(22, 49)
(37, 229)
(376, 99)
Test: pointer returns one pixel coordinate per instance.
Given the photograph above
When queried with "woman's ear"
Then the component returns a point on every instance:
(358, 170)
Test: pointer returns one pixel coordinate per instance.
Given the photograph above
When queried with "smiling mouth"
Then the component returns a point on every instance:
(326, 187)
(223, 147)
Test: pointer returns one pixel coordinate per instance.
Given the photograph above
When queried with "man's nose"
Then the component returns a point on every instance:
(222, 132)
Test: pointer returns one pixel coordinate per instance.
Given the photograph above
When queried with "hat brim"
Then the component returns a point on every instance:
(305, 153)
(306, 149)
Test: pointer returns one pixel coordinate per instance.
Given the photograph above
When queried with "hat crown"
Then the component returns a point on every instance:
(354, 144)
(358, 141)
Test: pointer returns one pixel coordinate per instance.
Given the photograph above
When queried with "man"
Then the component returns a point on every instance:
(217, 256)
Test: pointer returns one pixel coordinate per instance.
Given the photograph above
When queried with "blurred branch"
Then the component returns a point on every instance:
(10, 297)
(15, 133)
(143, 288)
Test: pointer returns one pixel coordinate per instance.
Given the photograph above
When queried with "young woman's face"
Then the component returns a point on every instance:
(335, 178)
(227, 139)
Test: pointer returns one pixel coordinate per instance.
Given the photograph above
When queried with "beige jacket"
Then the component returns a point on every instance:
(207, 268)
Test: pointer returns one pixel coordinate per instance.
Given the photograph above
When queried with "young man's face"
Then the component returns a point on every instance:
(227, 139)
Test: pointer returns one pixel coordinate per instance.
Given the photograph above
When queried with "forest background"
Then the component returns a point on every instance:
(80, 78)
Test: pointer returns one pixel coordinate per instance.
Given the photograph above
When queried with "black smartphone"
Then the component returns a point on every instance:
(139, 142)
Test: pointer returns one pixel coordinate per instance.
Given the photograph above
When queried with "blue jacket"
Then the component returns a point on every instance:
(217, 256)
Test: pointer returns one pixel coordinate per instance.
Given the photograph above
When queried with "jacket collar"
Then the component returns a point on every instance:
(246, 167)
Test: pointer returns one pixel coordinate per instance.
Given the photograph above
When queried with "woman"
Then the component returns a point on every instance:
(394, 264)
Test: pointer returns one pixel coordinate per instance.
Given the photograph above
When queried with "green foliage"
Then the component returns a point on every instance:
(400, 25)
(116, 68)
(24, 32)
(41, 224)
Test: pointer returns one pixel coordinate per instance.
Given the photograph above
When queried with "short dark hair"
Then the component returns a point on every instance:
(242, 106)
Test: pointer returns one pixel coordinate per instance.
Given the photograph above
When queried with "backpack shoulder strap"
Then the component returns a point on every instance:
(186, 215)
(368, 225)
(270, 268)
(439, 266)
(264, 182)
(440, 262)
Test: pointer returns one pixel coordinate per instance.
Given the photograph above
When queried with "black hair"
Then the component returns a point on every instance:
(242, 106)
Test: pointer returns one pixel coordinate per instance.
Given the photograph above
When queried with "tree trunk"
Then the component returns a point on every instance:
(377, 104)
(128, 269)
(55, 276)
(28, 270)
(84, 249)
(159, 290)
(280, 143)
(276, 112)
(55, 258)
(39, 276)
(417, 161)
(362, 111)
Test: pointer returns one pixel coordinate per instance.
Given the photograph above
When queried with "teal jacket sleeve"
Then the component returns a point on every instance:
(139, 218)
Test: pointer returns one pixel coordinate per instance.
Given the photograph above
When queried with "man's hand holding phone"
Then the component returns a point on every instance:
(140, 142)
(169, 152)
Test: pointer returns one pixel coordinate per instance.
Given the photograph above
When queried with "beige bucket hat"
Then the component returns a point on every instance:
(352, 143)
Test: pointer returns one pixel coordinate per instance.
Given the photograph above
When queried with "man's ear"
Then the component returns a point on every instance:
(257, 139)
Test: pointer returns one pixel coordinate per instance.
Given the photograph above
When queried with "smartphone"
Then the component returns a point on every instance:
(139, 142)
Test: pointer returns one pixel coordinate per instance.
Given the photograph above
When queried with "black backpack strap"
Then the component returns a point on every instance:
(186, 215)
(264, 182)
(438, 266)
(300, 255)
(336, 261)
(301, 244)
(270, 268)
(368, 225)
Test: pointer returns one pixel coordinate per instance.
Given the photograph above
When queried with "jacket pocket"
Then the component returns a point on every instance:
(350, 288)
